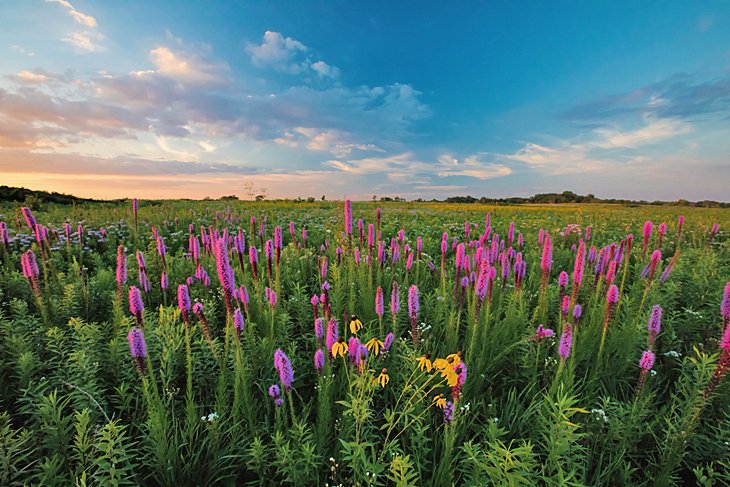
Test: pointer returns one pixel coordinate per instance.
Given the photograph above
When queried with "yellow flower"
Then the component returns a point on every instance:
(440, 401)
(374, 345)
(425, 363)
(355, 324)
(451, 376)
(383, 378)
(449, 362)
(339, 348)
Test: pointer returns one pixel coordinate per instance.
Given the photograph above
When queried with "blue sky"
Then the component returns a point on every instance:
(350, 99)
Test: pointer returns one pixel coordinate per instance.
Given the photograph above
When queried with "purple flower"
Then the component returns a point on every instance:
(566, 341)
(647, 360)
(140, 260)
(137, 345)
(655, 319)
(283, 367)
(319, 328)
(238, 321)
(29, 219)
(542, 333)
(725, 305)
(279, 402)
(348, 217)
(547, 255)
(319, 360)
(163, 280)
(333, 334)
(563, 279)
(161, 249)
(612, 295)
(379, 305)
(413, 302)
(565, 306)
(136, 306)
(388, 341)
(577, 312)
(448, 412)
(274, 391)
(121, 266)
(183, 299)
(395, 299)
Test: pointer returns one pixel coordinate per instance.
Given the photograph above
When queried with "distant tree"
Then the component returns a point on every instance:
(260, 197)
(323, 198)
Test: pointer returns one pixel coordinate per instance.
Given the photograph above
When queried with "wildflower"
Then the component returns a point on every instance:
(578, 269)
(274, 391)
(379, 305)
(460, 371)
(542, 333)
(563, 279)
(199, 312)
(448, 412)
(566, 341)
(283, 367)
(577, 313)
(319, 360)
(183, 301)
(413, 310)
(655, 324)
(238, 322)
(319, 328)
(348, 217)
(279, 402)
(388, 341)
(383, 378)
(648, 227)
(339, 347)
(374, 345)
(565, 305)
(332, 335)
(395, 300)
(355, 325)
(138, 349)
(136, 306)
(439, 401)
(645, 364)
(546, 262)
(353, 348)
(121, 268)
(424, 363)
(713, 232)
(725, 305)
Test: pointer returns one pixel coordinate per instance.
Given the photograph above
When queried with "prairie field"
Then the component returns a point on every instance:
(219, 342)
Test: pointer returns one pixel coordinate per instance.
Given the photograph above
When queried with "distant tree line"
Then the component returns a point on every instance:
(34, 199)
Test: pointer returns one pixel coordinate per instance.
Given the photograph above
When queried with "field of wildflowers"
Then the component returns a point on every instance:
(217, 343)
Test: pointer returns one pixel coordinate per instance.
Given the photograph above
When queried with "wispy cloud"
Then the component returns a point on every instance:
(78, 16)
(87, 39)
(288, 55)
(185, 66)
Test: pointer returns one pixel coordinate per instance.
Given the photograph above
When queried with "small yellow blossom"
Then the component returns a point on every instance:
(339, 348)
(355, 324)
(451, 361)
(440, 401)
(425, 363)
(383, 378)
(374, 345)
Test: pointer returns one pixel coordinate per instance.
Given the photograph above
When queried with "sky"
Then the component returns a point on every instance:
(418, 99)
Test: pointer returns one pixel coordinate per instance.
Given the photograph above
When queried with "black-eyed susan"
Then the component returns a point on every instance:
(374, 345)
(383, 378)
(339, 348)
(424, 363)
(451, 361)
(439, 400)
(355, 324)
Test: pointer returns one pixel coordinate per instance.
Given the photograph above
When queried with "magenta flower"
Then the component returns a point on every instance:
(183, 301)
(542, 333)
(348, 217)
(546, 263)
(388, 342)
(140, 260)
(284, 368)
(647, 360)
(333, 334)
(163, 280)
(395, 300)
(725, 304)
(238, 322)
(655, 323)
(612, 295)
(138, 349)
(319, 360)
(577, 313)
(648, 227)
(413, 311)
(136, 306)
(274, 391)
(566, 341)
(379, 305)
(121, 267)
(563, 279)
(319, 328)
(565, 305)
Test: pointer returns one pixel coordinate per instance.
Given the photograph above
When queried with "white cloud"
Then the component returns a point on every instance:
(287, 55)
(84, 40)
(471, 167)
(183, 66)
(335, 142)
(78, 16)
(30, 77)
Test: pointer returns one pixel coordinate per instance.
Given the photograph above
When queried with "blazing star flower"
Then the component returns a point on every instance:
(163, 280)
(138, 349)
(648, 227)
(136, 306)
(121, 267)
(388, 342)
(612, 295)
(655, 321)
(319, 328)
(725, 304)
(274, 391)
(645, 364)
(183, 300)
(238, 322)
(566, 341)
(577, 312)
(283, 367)
(319, 360)
(332, 334)
(563, 279)
(395, 299)
(448, 412)
(379, 305)
(565, 306)
(542, 333)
